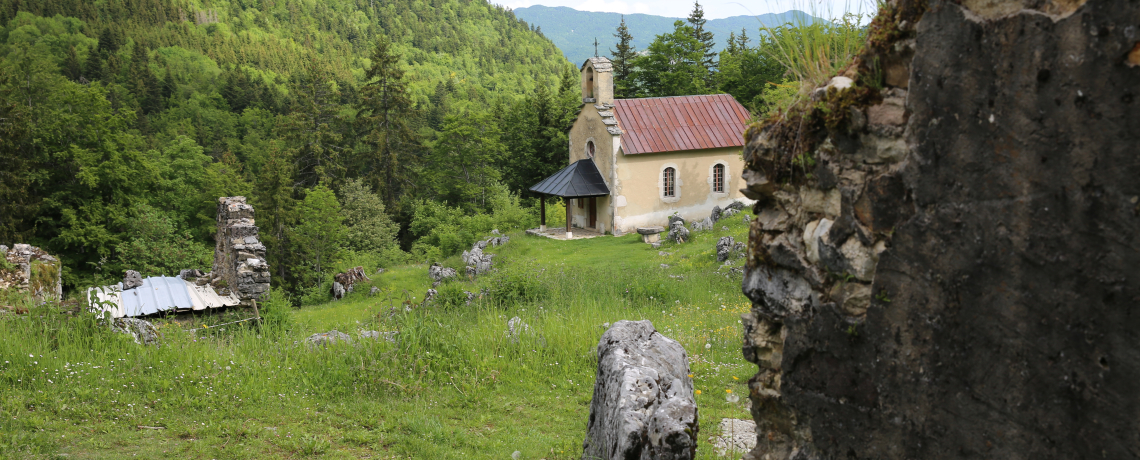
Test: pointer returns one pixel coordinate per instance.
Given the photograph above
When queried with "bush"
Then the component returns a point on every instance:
(518, 284)
(451, 295)
(275, 317)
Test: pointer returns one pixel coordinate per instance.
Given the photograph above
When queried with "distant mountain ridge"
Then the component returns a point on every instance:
(574, 31)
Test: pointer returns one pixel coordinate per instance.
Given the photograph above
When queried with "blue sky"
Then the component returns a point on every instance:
(714, 9)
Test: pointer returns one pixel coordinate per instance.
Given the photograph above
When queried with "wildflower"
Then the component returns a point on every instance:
(690, 375)
(734, 378)
(697, 392)
(726, 390)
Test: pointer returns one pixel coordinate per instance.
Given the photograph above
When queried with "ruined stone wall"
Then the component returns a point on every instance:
(32, 270)
(239, 257)
(946, 262)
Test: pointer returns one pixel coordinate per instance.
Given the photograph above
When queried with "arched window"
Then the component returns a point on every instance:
(718, 178)
(669, 181)
(589, 149)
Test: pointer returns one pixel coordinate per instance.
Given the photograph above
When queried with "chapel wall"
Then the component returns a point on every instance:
(638, 188)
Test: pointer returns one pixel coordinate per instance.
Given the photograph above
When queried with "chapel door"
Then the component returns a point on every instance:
(593, 212)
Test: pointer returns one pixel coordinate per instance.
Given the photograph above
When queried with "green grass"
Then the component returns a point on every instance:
(453, 386)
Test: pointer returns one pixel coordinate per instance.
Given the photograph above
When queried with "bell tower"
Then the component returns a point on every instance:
(597, 81)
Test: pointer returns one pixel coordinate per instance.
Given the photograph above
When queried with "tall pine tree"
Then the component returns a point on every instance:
(623, 62)
(705, 38)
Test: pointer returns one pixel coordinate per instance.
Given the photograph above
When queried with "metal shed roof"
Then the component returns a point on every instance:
(580, 179)
(157, 293)
(668, 124)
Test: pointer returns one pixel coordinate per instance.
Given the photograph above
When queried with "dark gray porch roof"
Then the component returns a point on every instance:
(580, 179)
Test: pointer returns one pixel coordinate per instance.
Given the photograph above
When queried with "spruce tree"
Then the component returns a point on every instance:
(623, 62)
(143, 83)
(72, 67)
(697, 22)
(385, 108)
(742, 39)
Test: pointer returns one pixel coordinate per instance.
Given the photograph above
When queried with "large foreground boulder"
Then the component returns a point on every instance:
(643, 405)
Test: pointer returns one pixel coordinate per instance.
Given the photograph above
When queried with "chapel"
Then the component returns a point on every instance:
(635, 162)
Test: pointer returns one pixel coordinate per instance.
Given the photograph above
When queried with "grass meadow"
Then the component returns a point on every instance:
(453, 385)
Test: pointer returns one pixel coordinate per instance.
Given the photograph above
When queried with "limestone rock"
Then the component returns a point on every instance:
(389, 336)
(715, 215)
(678, 233)
(190, 275)
(643, 405)
(131, 279)
(375, 290)
(325, 339)
(724, 248)
(438, 272)
(338, 291)
(676, 218)
(735, 435)
(516, 327)
(142, 330)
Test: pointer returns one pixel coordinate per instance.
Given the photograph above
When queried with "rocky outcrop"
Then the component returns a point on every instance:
(437, 272)
(943, 263)
(643, 405)
(26, 268)
(239, 257)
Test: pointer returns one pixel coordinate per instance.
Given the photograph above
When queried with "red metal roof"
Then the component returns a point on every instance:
(668, 124)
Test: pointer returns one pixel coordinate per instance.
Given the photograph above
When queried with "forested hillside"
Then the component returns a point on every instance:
(122, 121)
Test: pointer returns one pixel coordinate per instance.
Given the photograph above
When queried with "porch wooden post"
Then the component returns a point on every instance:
(569, 208)
(542, 212)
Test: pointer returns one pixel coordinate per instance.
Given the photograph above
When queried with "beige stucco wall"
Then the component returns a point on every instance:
(638, 195)
(589, 127)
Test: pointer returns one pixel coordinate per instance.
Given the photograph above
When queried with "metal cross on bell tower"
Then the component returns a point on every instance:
(595, 46)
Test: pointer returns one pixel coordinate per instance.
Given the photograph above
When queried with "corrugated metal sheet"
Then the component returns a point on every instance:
(669, 124)
(157, 293)
(580, 179)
